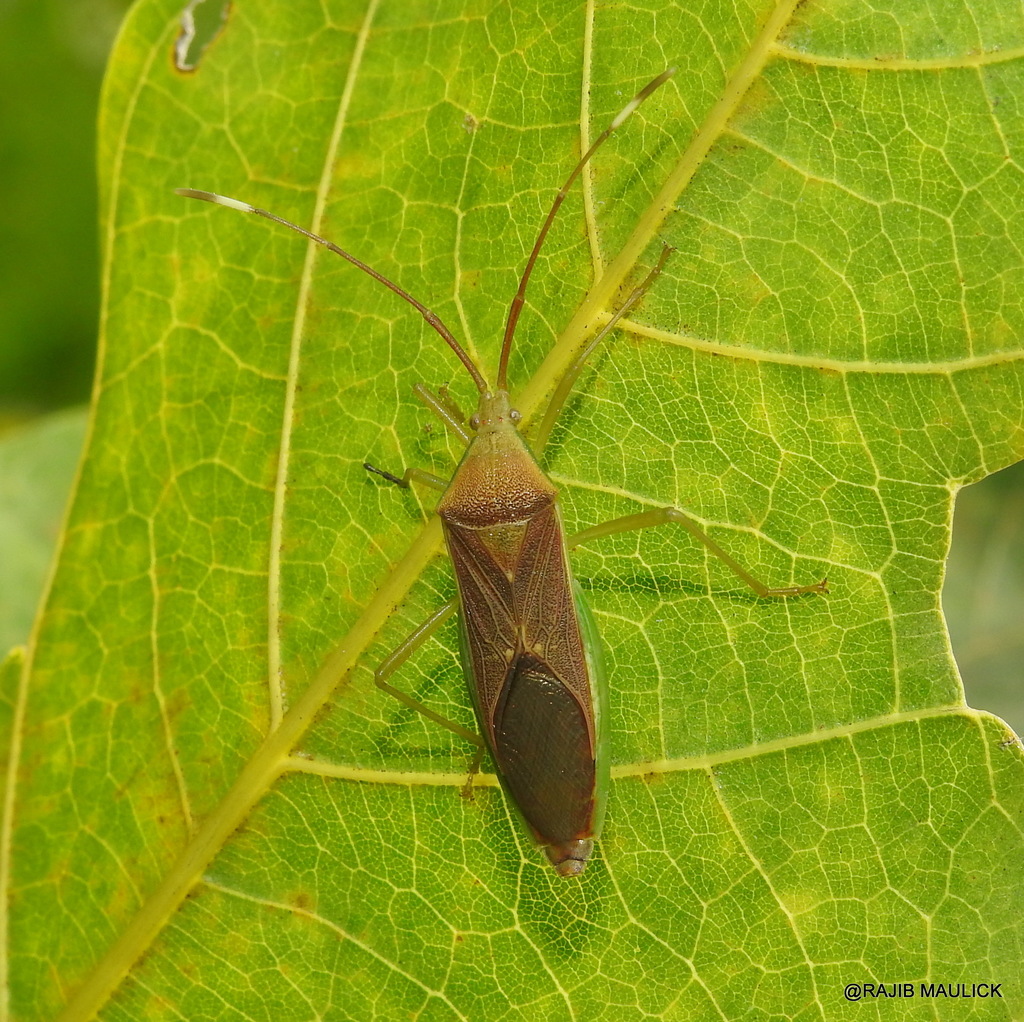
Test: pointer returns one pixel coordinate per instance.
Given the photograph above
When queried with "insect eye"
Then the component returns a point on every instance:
(515, 416)
(474, 421)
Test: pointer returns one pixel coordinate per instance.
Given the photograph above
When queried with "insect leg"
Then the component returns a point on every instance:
(452, 406)
(568, 380)
(474, 769)
(411, 475)
(663, 515)
(402, 653)
(444, 408)
(448, 412)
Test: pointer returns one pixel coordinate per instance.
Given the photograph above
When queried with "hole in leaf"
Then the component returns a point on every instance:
(201, 23)
(983, 595)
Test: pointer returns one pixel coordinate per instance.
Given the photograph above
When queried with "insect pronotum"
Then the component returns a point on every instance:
(530, 649)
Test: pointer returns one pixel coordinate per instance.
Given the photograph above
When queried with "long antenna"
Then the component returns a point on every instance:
(430, 317)
(517, 302)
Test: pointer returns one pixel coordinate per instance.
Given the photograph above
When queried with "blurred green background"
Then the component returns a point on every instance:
(52, 54)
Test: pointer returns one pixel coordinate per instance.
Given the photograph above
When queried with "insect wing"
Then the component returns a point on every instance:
(531, 656)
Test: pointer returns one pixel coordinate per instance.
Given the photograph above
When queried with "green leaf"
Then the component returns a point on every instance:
(216, 814)
(37, 467)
